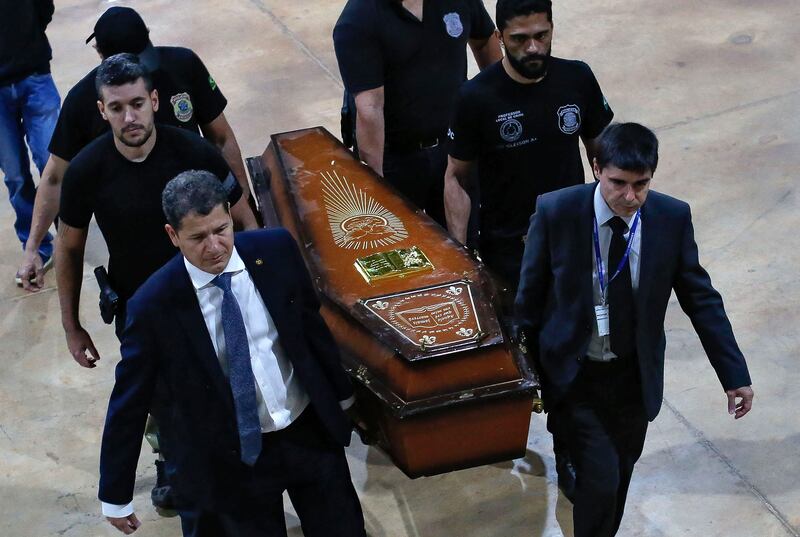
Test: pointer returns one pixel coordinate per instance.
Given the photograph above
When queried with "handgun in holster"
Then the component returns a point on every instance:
(109, 299)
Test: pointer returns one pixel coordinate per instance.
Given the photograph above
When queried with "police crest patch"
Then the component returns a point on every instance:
(511, 130)
(452, 23)
(182, 106)
(569, 118)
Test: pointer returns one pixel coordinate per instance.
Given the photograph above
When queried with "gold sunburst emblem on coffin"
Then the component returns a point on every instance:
(356, 219)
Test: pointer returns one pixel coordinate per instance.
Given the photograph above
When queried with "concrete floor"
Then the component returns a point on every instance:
(719, 80)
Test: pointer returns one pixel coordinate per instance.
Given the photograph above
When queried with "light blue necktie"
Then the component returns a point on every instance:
(240, 373)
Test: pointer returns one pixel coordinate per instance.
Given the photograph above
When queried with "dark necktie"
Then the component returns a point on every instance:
(240, 373)
(622, 317)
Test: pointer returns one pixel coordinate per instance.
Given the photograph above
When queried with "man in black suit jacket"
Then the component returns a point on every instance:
(226, 347)
(599, 344)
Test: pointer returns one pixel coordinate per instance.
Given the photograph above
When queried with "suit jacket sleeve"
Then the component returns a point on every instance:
(703, 304)
(319, 337)
(534, 281)
(127, 410)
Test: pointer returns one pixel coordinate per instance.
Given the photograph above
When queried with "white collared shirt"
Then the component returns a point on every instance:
(600, 347)
(281, 398)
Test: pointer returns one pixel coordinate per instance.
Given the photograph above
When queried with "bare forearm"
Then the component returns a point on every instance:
(370, 137)
(233, 156)
(243, 217)
(47, 202)
(457, 208)
(69, 275)
(486, 52)
(591, 146)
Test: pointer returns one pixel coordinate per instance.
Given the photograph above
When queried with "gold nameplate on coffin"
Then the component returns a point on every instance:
(393, 264)
(435, 319)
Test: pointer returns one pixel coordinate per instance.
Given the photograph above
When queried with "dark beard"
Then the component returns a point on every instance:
(528, 70)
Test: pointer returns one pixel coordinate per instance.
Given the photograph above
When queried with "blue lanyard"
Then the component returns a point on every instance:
(599, 258)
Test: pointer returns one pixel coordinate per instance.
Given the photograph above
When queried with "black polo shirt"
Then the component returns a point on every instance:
(525, 138)
(125, 198)
(420, 64)
(188, 97)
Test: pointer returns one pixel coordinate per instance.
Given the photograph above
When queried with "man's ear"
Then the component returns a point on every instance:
(102, 108)
(154, 98)
(173, 235)
(499, 37)
(595, 168)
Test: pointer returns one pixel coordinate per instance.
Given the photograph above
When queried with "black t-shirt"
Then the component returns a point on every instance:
(24, 49)
(125, 198)
(188, 97)
(525, 138)
(419, 64)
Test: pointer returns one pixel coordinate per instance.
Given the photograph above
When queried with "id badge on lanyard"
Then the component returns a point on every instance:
(601, 312)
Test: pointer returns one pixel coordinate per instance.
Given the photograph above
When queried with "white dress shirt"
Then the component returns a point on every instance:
(600, 347)
(280, 397)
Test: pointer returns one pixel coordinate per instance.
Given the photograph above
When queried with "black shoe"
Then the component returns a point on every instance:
(161, 495)
(566, 475)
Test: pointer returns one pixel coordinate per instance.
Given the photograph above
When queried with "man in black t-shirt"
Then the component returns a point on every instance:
(118, 178)
(403, 61)
(190, 99)
(519, 122)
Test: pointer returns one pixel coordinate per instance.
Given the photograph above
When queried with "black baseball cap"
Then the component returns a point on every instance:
(121, 29)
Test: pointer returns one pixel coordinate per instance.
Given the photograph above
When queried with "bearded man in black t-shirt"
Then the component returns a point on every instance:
(519, 122)
(190, 99)
(118, 179)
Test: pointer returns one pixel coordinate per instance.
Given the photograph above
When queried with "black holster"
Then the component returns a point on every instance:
(109, 299)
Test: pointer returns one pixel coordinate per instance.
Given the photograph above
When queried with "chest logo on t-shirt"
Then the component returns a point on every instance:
(569, 118)
(452, 22)
(510, 127)
(182, 106)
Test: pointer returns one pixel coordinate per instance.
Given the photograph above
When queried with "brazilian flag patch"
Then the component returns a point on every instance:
(212, 83)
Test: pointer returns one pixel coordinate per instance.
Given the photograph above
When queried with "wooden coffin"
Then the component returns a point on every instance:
(438, 382)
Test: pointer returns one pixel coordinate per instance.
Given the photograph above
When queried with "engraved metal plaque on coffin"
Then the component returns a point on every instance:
(433, 321)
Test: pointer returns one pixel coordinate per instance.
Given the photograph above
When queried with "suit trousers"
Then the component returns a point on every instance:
(305, 461)
(603, 422)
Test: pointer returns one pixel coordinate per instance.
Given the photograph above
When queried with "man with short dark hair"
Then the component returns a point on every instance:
(600, 264)
(519, 123)
(118, 179)
(190, 99)
(253, 390)
(29, 104)
(403, 61)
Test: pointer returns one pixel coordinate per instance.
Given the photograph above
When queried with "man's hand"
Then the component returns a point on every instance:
(126, 525)
(79, 341)
(31, 272)
(745, 393)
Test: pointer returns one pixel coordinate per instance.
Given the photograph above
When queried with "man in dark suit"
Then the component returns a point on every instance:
(226, 347)
(600, 263)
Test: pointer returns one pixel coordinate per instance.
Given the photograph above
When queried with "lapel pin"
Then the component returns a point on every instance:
(259, 261)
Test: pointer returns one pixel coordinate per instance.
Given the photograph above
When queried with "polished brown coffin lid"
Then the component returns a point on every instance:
(344, 215)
